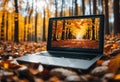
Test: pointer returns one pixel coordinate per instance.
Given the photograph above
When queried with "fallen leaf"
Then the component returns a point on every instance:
(117, 77)
(99, 62)
(114, 64)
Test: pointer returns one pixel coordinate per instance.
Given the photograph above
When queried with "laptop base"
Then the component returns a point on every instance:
(58, 61)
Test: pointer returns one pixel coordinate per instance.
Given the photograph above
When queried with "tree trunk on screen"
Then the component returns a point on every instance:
(93, 30)
(116, 17)
(54, 35)
(63, 31)
(16, 29)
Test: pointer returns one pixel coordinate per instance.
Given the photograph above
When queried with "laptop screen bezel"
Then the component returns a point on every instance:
(101, 35)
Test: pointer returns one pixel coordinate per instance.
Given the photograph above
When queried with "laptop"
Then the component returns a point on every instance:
(73, 42)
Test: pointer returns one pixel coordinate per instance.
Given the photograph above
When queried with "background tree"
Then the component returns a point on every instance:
(90, 7)
(83, 7)
(62, 6)
(44, 26)
(36, 21)
(94, 7)
(16, 29)
(4, 21)
(76, 7)
(7, 26)
(116, 16)
(106, 17)
(25, 27)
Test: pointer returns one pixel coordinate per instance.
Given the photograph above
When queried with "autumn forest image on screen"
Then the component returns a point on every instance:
(76, 33)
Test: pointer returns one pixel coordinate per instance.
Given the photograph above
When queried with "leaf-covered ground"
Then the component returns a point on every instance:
(105, 70)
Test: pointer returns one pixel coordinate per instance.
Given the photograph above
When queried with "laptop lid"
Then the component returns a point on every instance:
(76, 34)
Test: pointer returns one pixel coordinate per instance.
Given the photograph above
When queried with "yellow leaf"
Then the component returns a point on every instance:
(117, 77)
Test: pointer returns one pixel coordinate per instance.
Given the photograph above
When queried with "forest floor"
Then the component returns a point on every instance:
(105, 70)
(73, 43)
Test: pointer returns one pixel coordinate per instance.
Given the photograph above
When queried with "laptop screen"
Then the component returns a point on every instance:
(76, 33)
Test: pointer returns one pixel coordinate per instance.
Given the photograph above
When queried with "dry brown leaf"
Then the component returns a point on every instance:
(1, 51)
(107, 49)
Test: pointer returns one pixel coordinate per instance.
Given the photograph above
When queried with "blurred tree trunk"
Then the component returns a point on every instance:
(7, 26)
(2, 25)
(44, 27)
(25, 22)
(76, 7)
(83, 7)
(56, 10)
(72, 13)
(26, 30)
(36, 16)
(90, 7)
(30, 11)
(102, 6)
(106, 17)
(3, 5)
(36, 21)
(70, 10)
(16, 29)
(61, 12)
(94, 7)
(116, 17)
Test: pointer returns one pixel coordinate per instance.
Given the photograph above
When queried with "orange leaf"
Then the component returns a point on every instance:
(117, 77)
(99, 62)
(115, 45)
(114, 64)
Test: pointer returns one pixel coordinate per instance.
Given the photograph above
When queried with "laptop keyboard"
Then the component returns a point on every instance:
(69, 55)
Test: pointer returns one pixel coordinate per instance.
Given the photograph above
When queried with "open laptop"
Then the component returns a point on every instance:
(73, 42)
